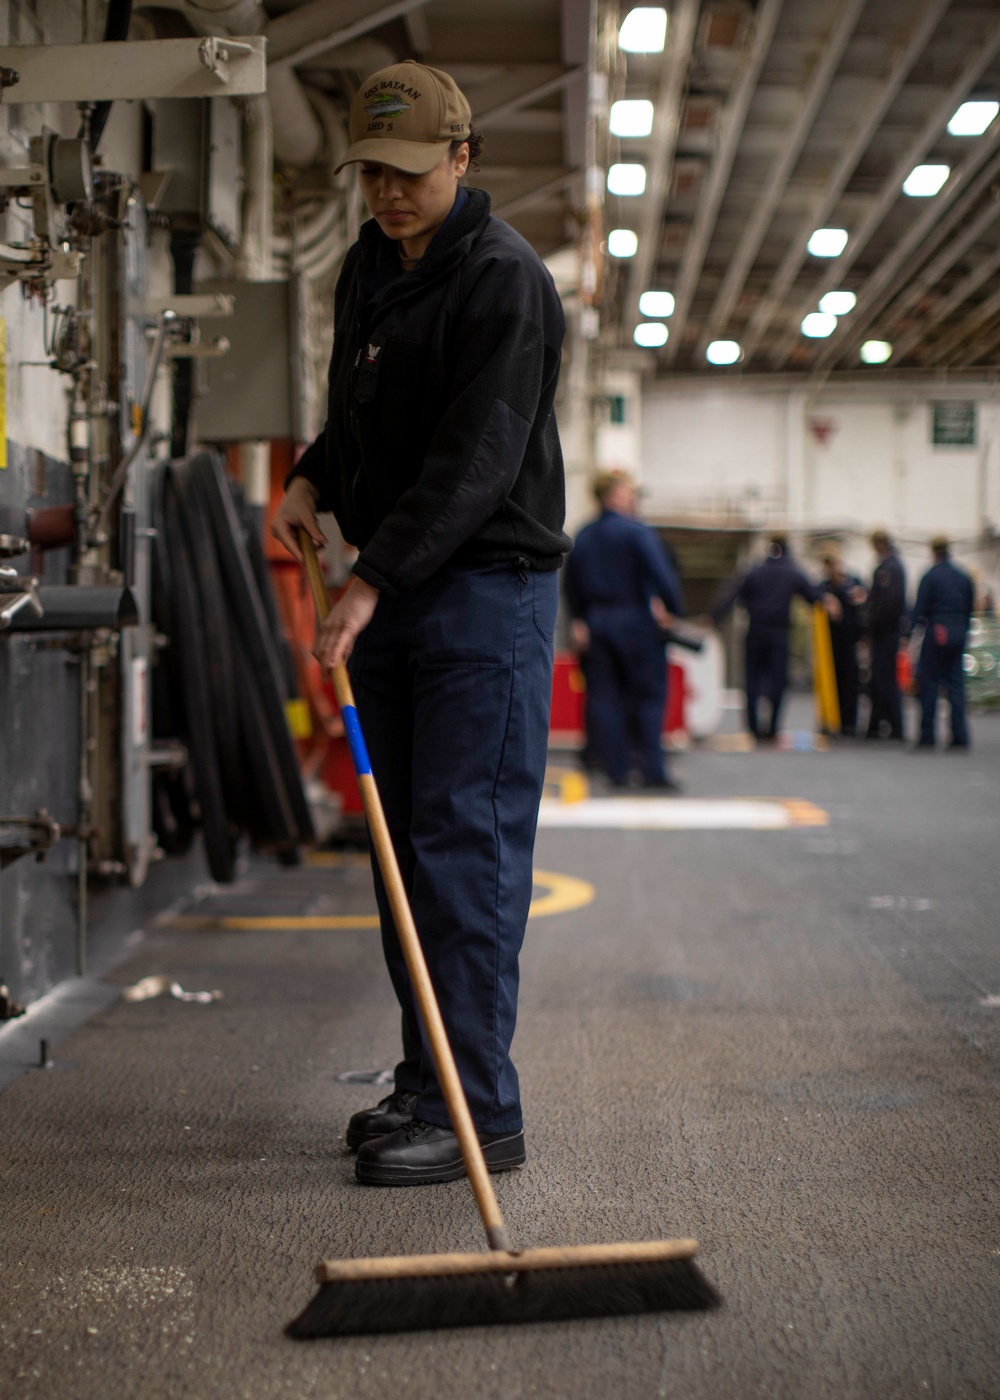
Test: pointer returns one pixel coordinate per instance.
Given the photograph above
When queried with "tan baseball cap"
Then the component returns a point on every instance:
(407, 116)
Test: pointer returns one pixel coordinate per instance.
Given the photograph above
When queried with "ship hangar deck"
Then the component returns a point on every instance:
(797, 1063)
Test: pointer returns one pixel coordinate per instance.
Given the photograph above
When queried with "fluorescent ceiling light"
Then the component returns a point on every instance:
(827, 242)
(837, 303)
(656, 304)
(972, 118)
(876, 352)
(643, 30)
(627, 179)
(723, 352)
(818, 325)
(631, 117)
(650, 334)
(925, 180)
(622, 243)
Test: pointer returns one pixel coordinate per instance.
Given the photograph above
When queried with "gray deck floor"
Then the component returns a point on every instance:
(780, 1041)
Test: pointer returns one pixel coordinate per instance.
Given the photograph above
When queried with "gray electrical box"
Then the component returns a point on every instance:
(251, 391)
(178, 150)
(198, 143)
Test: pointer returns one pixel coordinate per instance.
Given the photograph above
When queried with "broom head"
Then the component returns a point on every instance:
(415, 1292)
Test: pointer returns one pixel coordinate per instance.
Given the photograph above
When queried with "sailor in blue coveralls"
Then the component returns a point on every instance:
(944, 604)
(885, 622)
(767, 592)
(616, 570)
(441, 461)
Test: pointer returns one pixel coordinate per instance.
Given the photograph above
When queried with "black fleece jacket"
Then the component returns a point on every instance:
(441, 441)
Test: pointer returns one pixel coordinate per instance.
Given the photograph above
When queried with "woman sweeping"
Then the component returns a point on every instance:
(440, 460)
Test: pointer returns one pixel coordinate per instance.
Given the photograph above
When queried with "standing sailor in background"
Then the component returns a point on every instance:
(883, 621)
(621, 590)
(441, 461)
(767, 592)
(944, 604)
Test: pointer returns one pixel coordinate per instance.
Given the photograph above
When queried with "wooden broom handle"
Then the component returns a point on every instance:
(423, 990)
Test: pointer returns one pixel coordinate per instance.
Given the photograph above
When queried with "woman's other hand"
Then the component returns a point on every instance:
(350, 614)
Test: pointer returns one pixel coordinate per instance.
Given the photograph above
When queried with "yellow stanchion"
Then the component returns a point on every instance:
(824, 675)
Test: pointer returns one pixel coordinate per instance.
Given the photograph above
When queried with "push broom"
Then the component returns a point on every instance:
(505, 1285)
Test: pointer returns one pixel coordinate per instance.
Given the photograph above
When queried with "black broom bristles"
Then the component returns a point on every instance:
(354, 1307)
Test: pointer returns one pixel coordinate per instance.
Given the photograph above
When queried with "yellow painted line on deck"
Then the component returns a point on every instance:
(335, 860)
(255, 923)
(562, 894)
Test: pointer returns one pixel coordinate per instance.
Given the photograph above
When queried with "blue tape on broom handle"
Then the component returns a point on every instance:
(356, 740)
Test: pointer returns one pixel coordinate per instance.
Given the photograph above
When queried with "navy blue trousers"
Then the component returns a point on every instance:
(766, 674)
(942, 666)
(883, 687)
(453, 684)
(626, 675)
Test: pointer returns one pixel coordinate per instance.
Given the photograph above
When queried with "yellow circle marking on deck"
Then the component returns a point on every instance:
(561, 894)
(565, 893)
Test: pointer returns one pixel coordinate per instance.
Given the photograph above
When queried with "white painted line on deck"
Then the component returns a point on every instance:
(899, 901)
(680, 814)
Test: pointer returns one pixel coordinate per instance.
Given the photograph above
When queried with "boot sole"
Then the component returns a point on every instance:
(500, 1156)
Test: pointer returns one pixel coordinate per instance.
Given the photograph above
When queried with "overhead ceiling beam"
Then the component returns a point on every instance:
(916, 238)
(666, 123)
(513, 83)
(417, 30)
(521, 202)
(901, 62)
(915, 288)
(731, 131)
(985, 312)
(535, 93)
(374, 19)
(832, 48)
(909, 290)
(892, 186)
(536, 119)
(987, 345)
(959, 294)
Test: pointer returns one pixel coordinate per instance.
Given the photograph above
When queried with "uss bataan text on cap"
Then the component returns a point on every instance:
(407, 116)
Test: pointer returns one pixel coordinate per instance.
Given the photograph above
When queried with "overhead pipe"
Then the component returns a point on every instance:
(257, 243)
(298, 132)
(237, 16)
(311, 230)
(335, 134)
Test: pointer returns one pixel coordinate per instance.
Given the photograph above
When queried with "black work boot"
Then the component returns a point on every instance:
(388, 1114)
(419, 1153)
